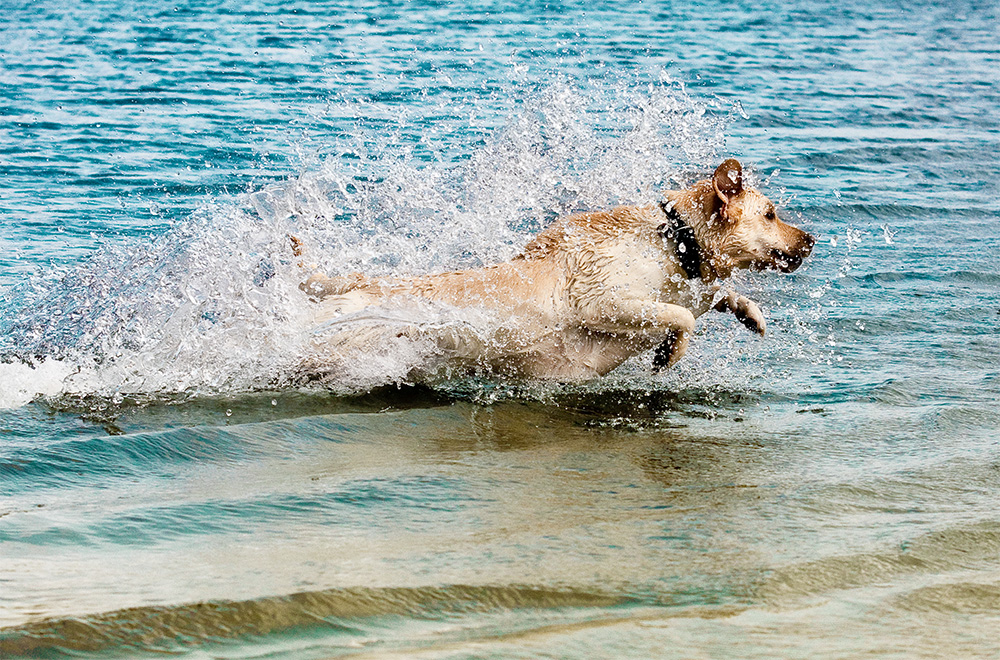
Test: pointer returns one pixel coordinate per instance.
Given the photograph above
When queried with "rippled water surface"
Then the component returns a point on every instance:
(167, 485)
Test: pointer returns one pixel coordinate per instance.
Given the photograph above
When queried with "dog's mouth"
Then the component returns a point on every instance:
(784, 262)
(781, 261)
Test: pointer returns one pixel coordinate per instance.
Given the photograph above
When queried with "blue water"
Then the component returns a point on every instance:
(167, 485)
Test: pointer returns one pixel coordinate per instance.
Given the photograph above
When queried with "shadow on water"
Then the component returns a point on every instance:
(130, 414)
(611, 408)
(656, 407)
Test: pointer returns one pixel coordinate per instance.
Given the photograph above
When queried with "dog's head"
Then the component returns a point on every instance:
(743, 230)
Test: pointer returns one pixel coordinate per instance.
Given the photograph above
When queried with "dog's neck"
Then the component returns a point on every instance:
(686, 247)
(700, 209)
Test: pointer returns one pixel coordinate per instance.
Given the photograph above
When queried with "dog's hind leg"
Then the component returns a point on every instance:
(320, 286)
(745, 310)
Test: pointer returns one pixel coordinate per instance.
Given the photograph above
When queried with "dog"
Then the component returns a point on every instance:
(593, 289)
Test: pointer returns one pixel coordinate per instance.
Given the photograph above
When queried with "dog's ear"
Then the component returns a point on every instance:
(728, 180)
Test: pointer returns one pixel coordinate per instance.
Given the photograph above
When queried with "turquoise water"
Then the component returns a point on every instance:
(167, 485)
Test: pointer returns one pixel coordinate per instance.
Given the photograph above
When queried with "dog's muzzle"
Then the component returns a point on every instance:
(786, 262)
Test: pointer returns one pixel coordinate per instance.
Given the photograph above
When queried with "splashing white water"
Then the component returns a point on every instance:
(21, 383)
(212, 306)
(378, 207)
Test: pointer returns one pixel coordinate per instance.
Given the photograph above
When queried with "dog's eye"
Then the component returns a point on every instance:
(769, 215)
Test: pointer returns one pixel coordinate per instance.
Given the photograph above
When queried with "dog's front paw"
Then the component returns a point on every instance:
(670, 350)
(748, 313)
(745, 310)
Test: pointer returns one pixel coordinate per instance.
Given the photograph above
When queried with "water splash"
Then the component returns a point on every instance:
(201, 308)
(212, 305)
(387, 206)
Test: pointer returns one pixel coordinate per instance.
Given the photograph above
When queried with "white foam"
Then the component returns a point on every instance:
(21, 383)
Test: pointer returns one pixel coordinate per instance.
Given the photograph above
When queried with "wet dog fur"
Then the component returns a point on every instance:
(595, 289)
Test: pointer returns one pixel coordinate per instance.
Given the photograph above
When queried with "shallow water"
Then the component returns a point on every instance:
(166, 485)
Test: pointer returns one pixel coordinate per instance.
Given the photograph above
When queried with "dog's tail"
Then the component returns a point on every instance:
(319, 286)
(299, 251)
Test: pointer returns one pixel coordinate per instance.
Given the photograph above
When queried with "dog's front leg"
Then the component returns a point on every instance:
(647, 317)
(745, 310)
(634, 315)
(670, 350)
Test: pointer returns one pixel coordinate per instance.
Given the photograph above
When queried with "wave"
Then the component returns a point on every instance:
(356, 502)
(119, 457)
(335, 613)
(957, 548)
(946, 571)
(990, 280)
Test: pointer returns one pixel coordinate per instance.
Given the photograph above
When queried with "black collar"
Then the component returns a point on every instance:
(686, 245)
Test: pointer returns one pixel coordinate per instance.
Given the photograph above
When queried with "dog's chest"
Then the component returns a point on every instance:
(633, 267)
(640, 269)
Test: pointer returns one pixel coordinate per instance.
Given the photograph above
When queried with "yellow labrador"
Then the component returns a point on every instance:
(594, 289)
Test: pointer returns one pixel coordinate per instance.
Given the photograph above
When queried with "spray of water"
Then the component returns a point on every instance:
(213, 306)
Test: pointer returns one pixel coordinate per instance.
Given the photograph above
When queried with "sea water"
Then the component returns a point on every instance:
(169, 484)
